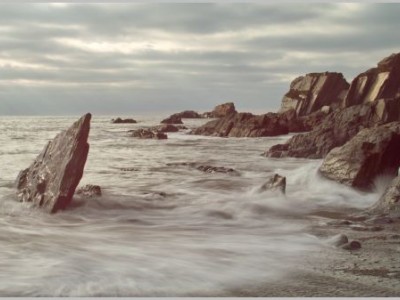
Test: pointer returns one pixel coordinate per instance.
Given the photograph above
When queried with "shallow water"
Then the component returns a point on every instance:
(207, 233)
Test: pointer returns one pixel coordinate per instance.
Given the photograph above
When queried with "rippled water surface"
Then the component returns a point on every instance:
(158, 230)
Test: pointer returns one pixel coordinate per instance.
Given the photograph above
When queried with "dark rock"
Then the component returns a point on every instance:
(51, 180)
(174, 119)
(129, 169)
(373, 151)
(380, 220)
(338, 240)
(206, 168)
(123, 121)
(89, 190)
(366, 228)
(389, 203)
(148, 134)
(313, 91)
(221, 111)
(337, 128)
(276, 182)
(381, 82)
(168, 128)
(353, 245)
(188, 114)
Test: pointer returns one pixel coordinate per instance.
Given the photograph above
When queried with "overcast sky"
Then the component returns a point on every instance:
(131, 58)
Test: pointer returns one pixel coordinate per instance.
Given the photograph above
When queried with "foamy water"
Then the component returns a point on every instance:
(207, 233)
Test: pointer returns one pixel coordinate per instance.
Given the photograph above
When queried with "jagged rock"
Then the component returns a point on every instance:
(173, 119)
(371, 152)
(222, 110)
(337, 128)
(338, 240)
(381, 82)
(51, 180)
(245, 125)
(353, 245)
(89, 191)
(313, 91)
(274, 183)
(123, 121)
(389, 203)
(148, 134)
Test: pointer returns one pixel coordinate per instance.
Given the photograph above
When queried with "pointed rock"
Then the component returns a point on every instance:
(51, 180)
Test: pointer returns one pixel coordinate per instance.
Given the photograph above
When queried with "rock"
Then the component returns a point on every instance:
(381, 82)
(380, 220)
(51, 180)
(148, 134)
(245, 125)
(337, 128)
(123, 121)
(173, 119)
(188, 114)
(206, 168)
(275, 182)
(366, 228)
(373, 151)
(89, 191)
(168, 128)
(338, 240)
(389, 203)
(313, 91)
(222, 110)
(353, 245)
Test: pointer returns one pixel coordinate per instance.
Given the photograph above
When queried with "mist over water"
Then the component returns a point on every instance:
(158, 230)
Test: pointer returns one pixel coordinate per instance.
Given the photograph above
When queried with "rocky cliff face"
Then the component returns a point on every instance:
(376, 83)
(51, 180)
(337, 128)
(373, 151)
(313, 91)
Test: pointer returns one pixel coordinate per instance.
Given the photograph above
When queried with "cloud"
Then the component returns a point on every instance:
(116, 57)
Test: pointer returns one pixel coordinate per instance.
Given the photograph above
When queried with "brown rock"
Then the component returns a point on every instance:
(389, 203)
(313, 91)
(123, 121)
(371, 152)
(173, 119)
(51, 180)
(188, 114)
(353, 245)
(89, 191)
(168, 128)
(148, 134)
(222, 110)
(276, 182)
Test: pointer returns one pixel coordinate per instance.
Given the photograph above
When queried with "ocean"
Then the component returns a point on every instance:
(160, 229)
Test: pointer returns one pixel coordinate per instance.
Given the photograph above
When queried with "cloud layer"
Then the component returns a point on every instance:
(113, 58)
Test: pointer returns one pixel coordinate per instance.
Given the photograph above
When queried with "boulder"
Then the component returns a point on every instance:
(313, 91)
(222, 110)
(275, 182)
(389, 203)
(373, 151)
(168, 128)
(353, 245)
(123, 121)
(381, 82)
(51, 180)
(337, 128)
(89, 191)
(148, 133)
(173, 119)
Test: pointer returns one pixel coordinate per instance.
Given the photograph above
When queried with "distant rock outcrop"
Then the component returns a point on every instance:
(381, 82)
(51, 180)
(148, 133)
(168, 128)
(123, 121)
(188, 114)
(313, 91)
(173, 119)
(371, 152)
(337, 128)
(221, 111)
(389, 203)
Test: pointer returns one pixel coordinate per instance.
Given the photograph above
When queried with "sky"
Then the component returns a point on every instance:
(63, 59)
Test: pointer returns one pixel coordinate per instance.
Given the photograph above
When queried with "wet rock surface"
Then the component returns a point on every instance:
(51, 180)
(174, 119)
(206, 168)
(123, 121)
(146, 133)
(89, 191)
(389, 203)
(275, 182)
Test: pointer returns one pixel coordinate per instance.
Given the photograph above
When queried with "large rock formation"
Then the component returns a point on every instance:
(337, 128)
(371, 152)
(313, 91)
(389, 203)
(245, 125)
(376, 83)
(173, 119)
(51, 180)
(222, 110)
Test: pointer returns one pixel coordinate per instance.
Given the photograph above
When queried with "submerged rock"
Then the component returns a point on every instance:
(313, 91)
(371, 152)
(275, 182)
(353, 245)
(174, 119)
(123, 121)
(206, 168)
(221, 111)
(89, 190)
(389, 203)
(51, 180)
(148, 134)
(338, 240)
